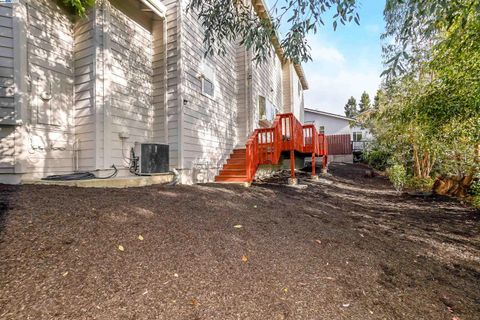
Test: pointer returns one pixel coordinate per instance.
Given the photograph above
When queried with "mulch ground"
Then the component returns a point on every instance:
(347, 247)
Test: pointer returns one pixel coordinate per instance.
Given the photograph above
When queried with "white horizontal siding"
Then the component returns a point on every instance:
(210, 126)
(7, 104)
(84, 68)
(267, 82)
(131, 104)
(50, 54)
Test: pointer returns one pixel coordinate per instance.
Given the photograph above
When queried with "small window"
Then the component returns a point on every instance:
(262, 108)
(208, 87)
(271, 111)
(357, 136)
(321, 129)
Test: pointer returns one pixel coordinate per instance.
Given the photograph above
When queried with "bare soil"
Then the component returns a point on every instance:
(347, 247)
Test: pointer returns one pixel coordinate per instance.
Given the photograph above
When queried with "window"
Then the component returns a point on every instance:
(357, 136)
(207, 77)
(262, 108)
(299, 88)
(321, 129)
(208, 88)
(271, 111)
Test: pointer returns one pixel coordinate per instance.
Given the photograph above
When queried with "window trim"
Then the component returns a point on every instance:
(355, 134)
(203, 79)
(260, 116)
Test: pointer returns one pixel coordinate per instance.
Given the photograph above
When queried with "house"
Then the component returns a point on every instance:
(334, 124)
(78, 93)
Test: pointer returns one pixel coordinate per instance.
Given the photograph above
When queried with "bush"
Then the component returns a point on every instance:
(378, 158)
(397, 176)
(475, 192)
(420, 184)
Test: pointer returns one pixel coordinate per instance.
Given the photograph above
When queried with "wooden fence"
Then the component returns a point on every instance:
(339, 144)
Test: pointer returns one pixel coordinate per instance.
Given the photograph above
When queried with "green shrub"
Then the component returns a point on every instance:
(397, 176)
(378, 158)
(420, 184)
(475, 192)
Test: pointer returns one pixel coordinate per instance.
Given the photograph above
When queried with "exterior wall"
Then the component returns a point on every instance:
(297, 97)
(267, 82)
(243, 84)
(173, 99)
(209, 125)
(48, 125)
(292, 92)
(90, 80)
(334, 125)
(7, 103)
(115, 72)
(131, 82)
(86, 45)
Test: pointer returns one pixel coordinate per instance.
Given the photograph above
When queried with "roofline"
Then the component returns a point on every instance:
(262, 11)
(328, 114)
(156, 6)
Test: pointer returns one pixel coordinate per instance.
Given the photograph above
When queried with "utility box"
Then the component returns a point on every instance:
(152, 158)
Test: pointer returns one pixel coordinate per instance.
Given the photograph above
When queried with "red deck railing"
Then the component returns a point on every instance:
(266, 145)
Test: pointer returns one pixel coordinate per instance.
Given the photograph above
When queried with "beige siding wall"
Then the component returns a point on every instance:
(7, 106)
(243, 93)
(292, 91)
(50, 130)
(267, 82)
(85, 46)
(210, 127)
(7, 149)
(287, 70)
(297, 96)
(131, 92)
(173, 81)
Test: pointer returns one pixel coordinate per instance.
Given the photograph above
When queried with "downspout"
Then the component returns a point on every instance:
(165, 77)
(180, 90)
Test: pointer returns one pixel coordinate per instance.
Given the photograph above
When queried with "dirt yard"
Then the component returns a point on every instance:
(347, 247)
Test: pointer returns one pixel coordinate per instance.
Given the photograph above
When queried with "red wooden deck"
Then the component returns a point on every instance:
(266, 145)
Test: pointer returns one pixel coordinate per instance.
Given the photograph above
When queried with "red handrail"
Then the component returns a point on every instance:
(265, 145)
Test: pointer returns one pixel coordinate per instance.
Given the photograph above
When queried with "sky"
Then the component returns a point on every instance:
(347, 61)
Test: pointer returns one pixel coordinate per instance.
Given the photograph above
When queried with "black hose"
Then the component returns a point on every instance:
(71, 176)
(79, 176)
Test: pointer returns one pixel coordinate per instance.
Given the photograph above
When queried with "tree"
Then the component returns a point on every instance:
(376, 99)
(428, 112)
(364, 104)
(227, 20)
(79, 7)
(351, 108)
(413, 26)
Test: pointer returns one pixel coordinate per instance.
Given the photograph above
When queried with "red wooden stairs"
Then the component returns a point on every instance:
(266, 145)
(235, 170)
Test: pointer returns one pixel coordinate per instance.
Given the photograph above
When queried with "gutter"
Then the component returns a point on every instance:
(156, 7)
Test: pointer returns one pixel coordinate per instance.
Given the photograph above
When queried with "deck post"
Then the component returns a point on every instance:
(313, 164)
(292, 164)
